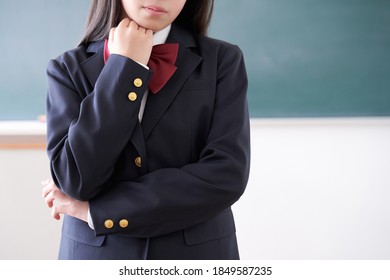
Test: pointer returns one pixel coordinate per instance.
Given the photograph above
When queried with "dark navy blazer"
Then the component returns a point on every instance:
(193, 151)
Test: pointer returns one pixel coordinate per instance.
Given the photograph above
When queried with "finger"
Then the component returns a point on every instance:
(53, 195)
(124, 23)
(143, 30)
(49, 199)
(48, 188)
(149, 32)
(55, 213)
(134, 25)
(111, 35)
(45, 182)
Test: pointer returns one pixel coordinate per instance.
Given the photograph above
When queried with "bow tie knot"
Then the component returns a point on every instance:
(162, 63)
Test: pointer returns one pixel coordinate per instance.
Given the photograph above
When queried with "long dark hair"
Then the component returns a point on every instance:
(105, 14)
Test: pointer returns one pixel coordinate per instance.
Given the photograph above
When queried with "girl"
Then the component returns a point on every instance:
(147, 166)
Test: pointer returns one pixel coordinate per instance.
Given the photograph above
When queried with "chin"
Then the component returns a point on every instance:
(153, 26)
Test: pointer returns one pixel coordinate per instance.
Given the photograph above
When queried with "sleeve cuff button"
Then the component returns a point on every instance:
(108, 224)
(138, 82)
(123, 223)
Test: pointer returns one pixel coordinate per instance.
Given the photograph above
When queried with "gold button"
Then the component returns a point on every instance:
(132, 96)
(109, 224)
(138, 82)
(123, 223)
(138, 161)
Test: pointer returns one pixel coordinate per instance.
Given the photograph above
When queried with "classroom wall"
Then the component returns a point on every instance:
(318, 189)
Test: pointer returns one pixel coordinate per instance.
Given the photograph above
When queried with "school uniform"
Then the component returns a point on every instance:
(160, 187)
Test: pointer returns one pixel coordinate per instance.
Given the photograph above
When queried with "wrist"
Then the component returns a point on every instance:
(81, 210)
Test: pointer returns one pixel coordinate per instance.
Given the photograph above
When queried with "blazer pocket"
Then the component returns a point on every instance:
(79, 231)
(215, 228)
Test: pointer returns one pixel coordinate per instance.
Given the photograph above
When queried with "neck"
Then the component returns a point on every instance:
(160, 37)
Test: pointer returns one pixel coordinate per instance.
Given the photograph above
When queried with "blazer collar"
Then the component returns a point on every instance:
(182, 36)
(157, 104)
(94, 64)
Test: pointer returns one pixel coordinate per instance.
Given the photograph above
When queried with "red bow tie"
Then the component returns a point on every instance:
(162, 63)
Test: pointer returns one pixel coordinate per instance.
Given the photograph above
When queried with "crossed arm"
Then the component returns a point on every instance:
(64, 204)
(119, 43)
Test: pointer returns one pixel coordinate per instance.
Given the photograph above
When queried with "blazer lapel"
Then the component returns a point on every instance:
(93, 65)
(186, 63)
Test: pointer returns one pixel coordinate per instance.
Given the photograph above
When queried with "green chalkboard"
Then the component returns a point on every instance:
(32, 32)
(312, 57)
(305, 58)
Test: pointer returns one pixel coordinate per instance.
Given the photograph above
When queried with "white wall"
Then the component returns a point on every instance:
(319, 189)
(26, 229)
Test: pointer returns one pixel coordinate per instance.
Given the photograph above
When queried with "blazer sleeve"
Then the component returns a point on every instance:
(84, 136)
(171, 199)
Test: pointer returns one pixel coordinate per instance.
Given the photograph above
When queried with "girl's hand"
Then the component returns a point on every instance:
(131, 40)
(63, 204)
